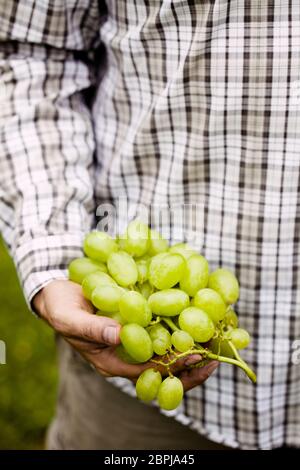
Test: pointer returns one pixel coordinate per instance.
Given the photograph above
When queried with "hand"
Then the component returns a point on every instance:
(62, 305)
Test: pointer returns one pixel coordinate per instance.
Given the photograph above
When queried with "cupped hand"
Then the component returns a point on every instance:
(62, 305)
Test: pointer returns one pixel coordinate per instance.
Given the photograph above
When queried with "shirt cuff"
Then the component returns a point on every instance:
(45, 259)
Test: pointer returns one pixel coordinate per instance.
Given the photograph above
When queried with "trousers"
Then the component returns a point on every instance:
(93, 414)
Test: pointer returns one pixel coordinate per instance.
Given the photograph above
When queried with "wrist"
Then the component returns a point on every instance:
(38, 303)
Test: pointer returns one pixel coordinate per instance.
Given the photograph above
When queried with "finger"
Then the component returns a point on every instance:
(107, 362)
(180, 365)
(81, 324)
(197, 376)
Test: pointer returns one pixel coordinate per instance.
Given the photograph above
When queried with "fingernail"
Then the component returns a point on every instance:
(193, 359)
(110, 335)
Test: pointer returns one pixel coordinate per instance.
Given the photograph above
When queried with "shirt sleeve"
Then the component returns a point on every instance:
(46, 134)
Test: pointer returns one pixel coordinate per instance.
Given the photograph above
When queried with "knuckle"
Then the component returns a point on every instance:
(88, 331)
(57, 324)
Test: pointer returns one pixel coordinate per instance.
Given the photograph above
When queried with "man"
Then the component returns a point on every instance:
(179, 102)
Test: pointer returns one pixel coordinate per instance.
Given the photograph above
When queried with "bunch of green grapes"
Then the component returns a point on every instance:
(167, 301)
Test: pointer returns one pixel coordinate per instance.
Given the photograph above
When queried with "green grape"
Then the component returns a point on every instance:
(121, 242)
(135, 309)
(147, 385)
(170, 393)
(99, 246)
(121, 266)
(137, 238)
(118, 318)
(93, 280)
(157, 243)
(79, 268)
(168, 302)
(137, 342)
(231, 318)
(157, 330)
(106, 298)
(221, 347)
(240, 338)
(182, 341)
(114, 315)
(146, 290)
(195, 275)
(166, 271)
(161, 339)
(183, 249)
(212, 303)
(124, 356)
(143, 269)
(160, 347)
(197, 323)
(226, 284)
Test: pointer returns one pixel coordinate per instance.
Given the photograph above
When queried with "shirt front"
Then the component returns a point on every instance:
(194, 104)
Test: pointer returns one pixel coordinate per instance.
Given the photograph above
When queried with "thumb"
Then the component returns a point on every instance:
(89, 327)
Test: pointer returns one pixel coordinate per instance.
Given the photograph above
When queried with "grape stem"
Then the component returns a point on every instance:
(208, 354)
(235, 352)
(170, 323)
(154, 322)
(237, 361)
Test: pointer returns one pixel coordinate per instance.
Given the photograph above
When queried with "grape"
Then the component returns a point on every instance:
(160, 347)
(168, 302)
(231, 318)
(212, 303)
(197, 323)
(106, 298)
(121, 266)
(157, 330)
(170, 393)
(114, 315)
(166, 271)
(147, 384)
(93, 280)
(135, 309)
(121, 242)
(183, 249)
(99, 246)
(146, 289)
(161, 339)
(124, 356)
(118, 318)
(240, 338)
(226, 284)
(79, 268)
(220, 347)
(143, 269)
(136, 238)
(182, 341)
(195, 275)
(157, 243)
(137, 342)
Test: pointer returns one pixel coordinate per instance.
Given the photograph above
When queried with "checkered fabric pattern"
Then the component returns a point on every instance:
(166, 102)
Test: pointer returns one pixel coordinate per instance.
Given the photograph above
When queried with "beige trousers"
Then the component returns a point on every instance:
(94, 414)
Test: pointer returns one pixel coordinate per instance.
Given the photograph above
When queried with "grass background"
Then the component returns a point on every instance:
(29, 378)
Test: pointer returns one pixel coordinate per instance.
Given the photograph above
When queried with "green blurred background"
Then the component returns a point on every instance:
(29, 378)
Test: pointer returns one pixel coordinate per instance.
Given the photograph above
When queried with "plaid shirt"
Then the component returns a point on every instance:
(193, 102)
